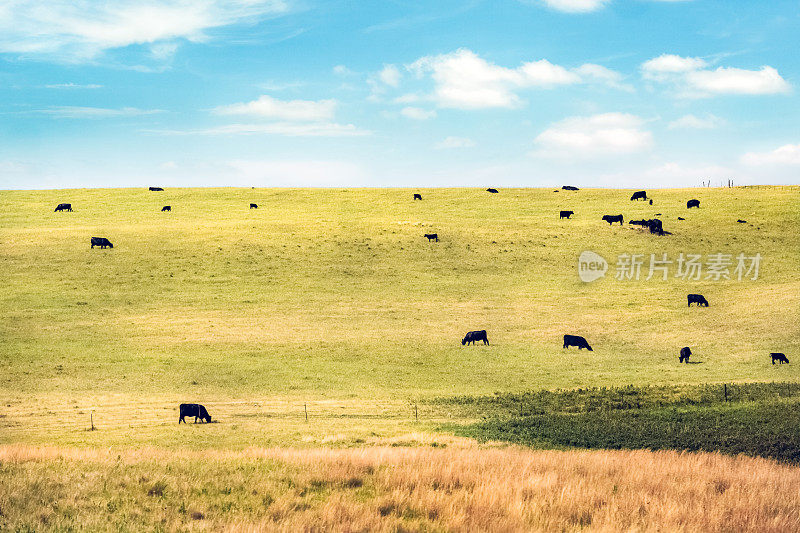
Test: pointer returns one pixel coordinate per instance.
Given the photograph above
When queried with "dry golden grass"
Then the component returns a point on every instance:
(394, 489)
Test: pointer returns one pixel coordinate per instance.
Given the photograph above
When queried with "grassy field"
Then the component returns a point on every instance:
(393, 489)
(333, 299)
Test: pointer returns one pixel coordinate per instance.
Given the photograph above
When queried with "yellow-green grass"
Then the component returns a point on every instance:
(334, 299)
(459, 488)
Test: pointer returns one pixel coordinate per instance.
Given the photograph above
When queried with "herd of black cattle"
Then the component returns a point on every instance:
(654, 225)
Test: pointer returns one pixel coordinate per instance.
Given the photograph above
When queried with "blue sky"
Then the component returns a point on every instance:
(398, 93)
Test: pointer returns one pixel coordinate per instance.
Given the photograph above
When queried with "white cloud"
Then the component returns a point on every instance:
(738, 81)
(417, 113)
(592, 72)
(596, 135)
(390, 75)
(288, 129)
(455, 142)
(690, 121)
(788, 154)
(80, 30)
(464, 80)
(576, 6)
(272, 108)
(690, 77)
(341, 70)
(96, 112)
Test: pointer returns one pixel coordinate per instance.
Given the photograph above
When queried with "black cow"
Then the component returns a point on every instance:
(576, 340)
(651, 202)
(779, 357)
(432, 237)
(474, 336)
(569, 188)
(698, 299)
(655, 226)
(493, 191)
(681, 218)
(63, 207)
(102, 242)
(685, 353)
(193, 410)
(417, 196)
(639, 195)
(156, 189)
(692, 203)
(613, 218)
(253, 206)
(566, 214)
(740, 221)
(642, 222)
(166, 208)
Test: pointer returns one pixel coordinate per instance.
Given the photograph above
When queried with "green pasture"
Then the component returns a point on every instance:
(333, 299)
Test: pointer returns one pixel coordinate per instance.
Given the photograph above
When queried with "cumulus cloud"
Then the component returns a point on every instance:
(417, 113)
(596, 135)
(464, 80)
(576, 6)
(455, 142)
(693, 122)
(390, 75)
(80, 30)
(690, 77)
(788, 154)
(272, 108)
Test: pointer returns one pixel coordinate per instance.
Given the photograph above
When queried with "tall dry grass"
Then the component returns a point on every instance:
(395, 489)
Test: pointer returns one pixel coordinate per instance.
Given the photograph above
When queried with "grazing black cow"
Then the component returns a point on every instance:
(166, 208)
(569, 188)
(417, 196)
(63, 207)
(658, 214)
(566, 214)
(698, 299)
(642, 223)
(102, 242)
(651, 202)
(474, 336)
(692, 203)
(156, 189)
(655, 226)
(613, 218)
(432, 237)
(253, 206)
(639, 195)
(493, 191)
(685, 353)
(681, 218)
(740, 221)
(193, 410)
(779, 357)
(576, 340)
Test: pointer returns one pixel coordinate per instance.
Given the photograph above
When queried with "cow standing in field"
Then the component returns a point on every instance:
(569, 188)
(693, 203)
(102, 242)
(474, 336)
(685, 353)
(417, 196)
(566, 214)
(193, 410)
(576, 340)
(166, 208)
(432, 237)
(493, 191)
(613, 218)
(781, 358)
(63, 207)
(156, 189)
(253, 206)
(639, 195)
(643, 223)
(698, 299)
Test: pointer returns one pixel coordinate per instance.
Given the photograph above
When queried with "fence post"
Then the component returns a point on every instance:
(91, 419)
(416, 414)
(305, 409)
